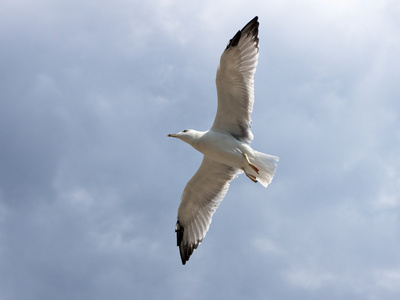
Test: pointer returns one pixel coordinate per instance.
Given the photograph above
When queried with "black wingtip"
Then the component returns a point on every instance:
(185, 250)
(249, 28)
(179, 238)
(179, 233)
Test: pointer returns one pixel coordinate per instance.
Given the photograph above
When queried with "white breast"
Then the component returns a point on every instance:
(223, 148)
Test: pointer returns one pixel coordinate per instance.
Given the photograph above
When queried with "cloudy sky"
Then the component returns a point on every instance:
(90, 184)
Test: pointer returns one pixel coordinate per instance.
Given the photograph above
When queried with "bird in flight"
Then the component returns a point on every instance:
(226, 146)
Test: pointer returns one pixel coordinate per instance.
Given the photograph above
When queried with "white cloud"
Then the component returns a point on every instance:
(308, 279)
(388, 279)
(267, 247)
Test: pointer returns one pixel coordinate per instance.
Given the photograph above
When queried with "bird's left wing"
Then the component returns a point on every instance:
(201, 197)
(235, 83)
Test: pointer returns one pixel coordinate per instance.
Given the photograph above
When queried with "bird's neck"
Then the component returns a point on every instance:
(194, 139)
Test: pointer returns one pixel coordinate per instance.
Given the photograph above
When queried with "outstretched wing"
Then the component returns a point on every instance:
(235, 83)
(200, 198)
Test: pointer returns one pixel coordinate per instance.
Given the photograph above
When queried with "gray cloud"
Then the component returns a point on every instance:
(90, 185)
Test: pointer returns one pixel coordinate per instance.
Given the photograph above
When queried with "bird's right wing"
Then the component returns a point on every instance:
(200, 198)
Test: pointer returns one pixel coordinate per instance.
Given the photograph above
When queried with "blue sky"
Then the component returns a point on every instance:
(90, 184)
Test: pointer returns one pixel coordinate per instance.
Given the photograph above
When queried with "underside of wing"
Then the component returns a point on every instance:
(201, 197)
(235, 83)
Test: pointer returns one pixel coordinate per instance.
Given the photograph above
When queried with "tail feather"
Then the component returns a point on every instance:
(267, 165)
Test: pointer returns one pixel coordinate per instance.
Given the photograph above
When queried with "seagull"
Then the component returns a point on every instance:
(226, 146)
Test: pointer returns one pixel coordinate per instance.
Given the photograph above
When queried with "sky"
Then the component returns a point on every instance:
(90, 184)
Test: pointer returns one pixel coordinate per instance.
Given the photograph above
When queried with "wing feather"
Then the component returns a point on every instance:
(235, 83)
(200, 198)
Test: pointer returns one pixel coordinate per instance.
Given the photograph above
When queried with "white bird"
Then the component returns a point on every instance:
(226, 146)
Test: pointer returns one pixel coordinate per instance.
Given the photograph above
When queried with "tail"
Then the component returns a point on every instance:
(267, 165)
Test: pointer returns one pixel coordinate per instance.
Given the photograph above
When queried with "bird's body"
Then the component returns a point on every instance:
(226, 146)
(222, 148)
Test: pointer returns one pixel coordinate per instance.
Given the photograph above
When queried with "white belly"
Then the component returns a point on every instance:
(224, 148)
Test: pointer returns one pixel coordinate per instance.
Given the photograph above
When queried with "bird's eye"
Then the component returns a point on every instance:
(185, 130)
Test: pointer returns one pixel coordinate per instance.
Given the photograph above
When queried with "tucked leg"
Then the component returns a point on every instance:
(250, 164)
(252, 177)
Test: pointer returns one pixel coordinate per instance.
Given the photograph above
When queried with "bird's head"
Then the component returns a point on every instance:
(188, 135)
